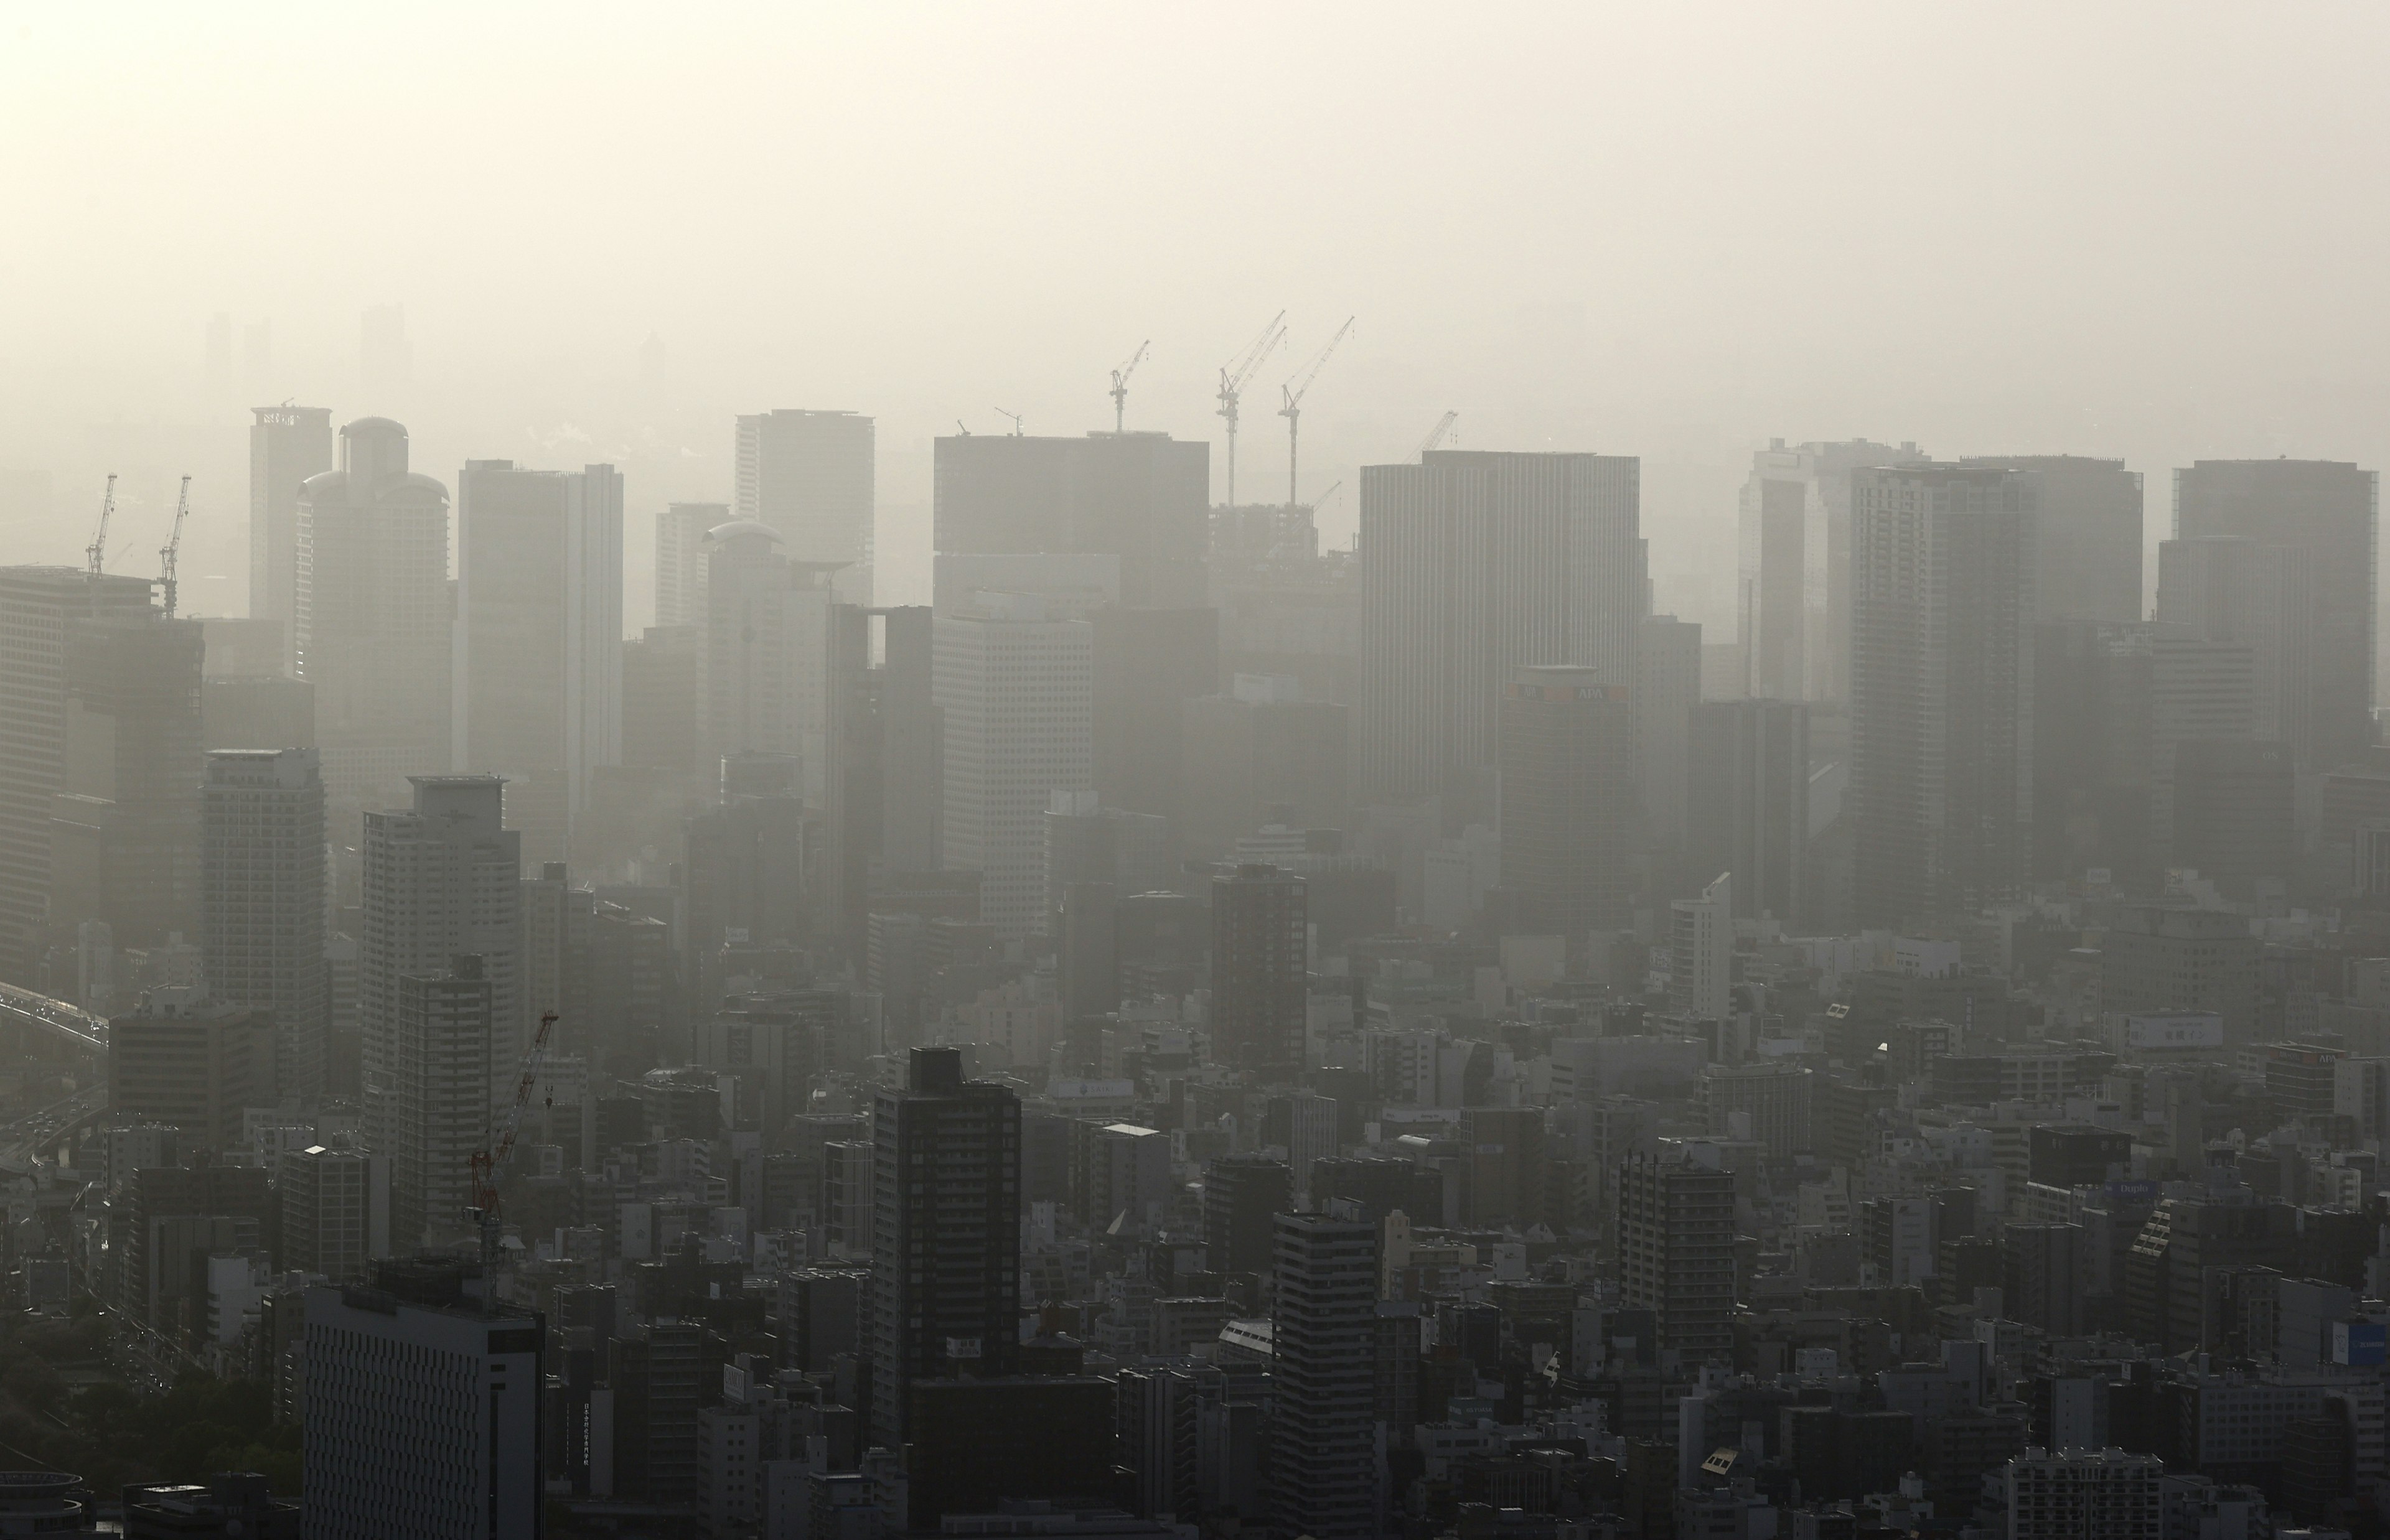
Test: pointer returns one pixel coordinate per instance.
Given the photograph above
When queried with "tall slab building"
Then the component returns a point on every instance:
(287, 445)
(1793, 595)
(263, 918)
(2088, 556)
(810, 476)
(1141, 497)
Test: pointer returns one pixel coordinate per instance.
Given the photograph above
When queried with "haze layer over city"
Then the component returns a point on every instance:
(1326, 773)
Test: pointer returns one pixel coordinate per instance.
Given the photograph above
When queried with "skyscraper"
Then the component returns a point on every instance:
(1569, 798)
(539, 637)
(2089, 556)
(946, 1241)
(1323, 1374)
(680, 561)
(1702, 972)
(287, 445)
(1941, 789)
(370, 619)
(333, 1217)
(1675, 1233)
(444, 1061)
(768, 650)
(810, 476)
(1795, 596)
(1473, 565)
(1667, 687)
(1259, 928)
(1747, 802)
(1142, 497)
(262, 887)
(1013, 692)
(2231, 589)
(2328, 510)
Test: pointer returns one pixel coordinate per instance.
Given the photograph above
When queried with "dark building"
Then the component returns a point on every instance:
(1143, 497)
(1569, 798)
(1263, 754)
(2076, 1155)
(1747, 802)
(747, 868)
(2233, 813)
(978, 1443)
(658, 1375)
(2089, 552)
(945, 1242)
(660, 701)
(232, 1503)
(1144, 666)
(1323, 1370)
(1259, 946)
(1242, 1195)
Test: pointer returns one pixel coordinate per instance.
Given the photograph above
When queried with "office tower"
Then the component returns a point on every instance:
(1144, 666)
(746, 868)
(1795, 595)
(422, 1410)
(809, 476)
(1263, 754)
(1770, 1102)
(261, 885)
(441, 881)
(1667, 687)
(912, 749)
(945, 1240)
(1747, 802)
(2232, 814)
(767, 659)
(2327, 511)
(2067, 1494)
(2231, 590)
(2157, 957)
(334, 1212)
(1700, 981)
(657, 1373)
(187, 1063)
(371, 618)
(660, 702)
(1143, 498)
(1941, 787)
(287, 444)
(443, 1054)
(1012, 689)
(1474, 565)
(539, 637)
(2087, 553)
(1242, 1195)
(1258, 969)
(124, 824)
(681, 560)
(1323, 1375)
(248, 711)
(1675, 1218)
(1569, 796)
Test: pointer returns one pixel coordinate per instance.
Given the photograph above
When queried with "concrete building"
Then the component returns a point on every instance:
(2088, 556)
(422, 1411)
(1667, 687)
(2066, 1494)
(768, 652)
(1323, 1374)
(1263, 754)
(185, 1061)
(1768, 1103)
(680, 561)
(2157, 957)
(810, 475)
(1259, 968)
(2228, 590)
(1673, 1215)
(265, 921)
(1747, 802)
(1144, 498)
(372, 622)
(1568, 797)
(1701, 980)
(442, 1066)
(335, 1212)
(1941, 787)
(1474, 565)
(1012, 689)
(1795, 592)
(287, 445)
(1241, 1194)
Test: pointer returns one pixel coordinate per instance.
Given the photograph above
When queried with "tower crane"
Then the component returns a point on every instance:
(98, 546)
(1435, 435)
(1016, 420)
(171, 552)
(1233, 376)
(1120, 385)
(1293, 408)
(484, 1215)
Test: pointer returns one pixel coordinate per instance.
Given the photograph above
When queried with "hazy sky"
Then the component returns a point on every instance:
(2153, 231)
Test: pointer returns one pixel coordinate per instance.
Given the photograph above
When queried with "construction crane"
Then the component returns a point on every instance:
(98, 546)
(484, 1215)
(1329, 496)
(1016, 420)
(1293, 408)
(1435, 435)
(1233, 376)
(1120, 385)
(172, 550)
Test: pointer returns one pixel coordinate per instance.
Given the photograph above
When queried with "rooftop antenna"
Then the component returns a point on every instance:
(94, 552)
(1120, 385)
(171, 552)
(1293, 408)
(1233, 376)
(1016, 420)
(961, 429)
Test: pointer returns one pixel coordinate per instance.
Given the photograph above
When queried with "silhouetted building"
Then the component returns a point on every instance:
(1747, 802)
(1259, 968)
(1569, 798)
(265, 921)
(1143, 498)
(2088, 554)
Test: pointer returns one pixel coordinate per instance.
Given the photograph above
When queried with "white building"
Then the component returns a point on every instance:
(766, 667)
(422, 1417)
(263, 919)
(1702, 972)
(1015, 689)
(809, 475)
(680, 561)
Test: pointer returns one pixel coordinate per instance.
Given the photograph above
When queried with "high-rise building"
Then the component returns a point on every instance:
(1259, 962)
(1747, 802)
(1323, 1375)
(1941, 787)
(441, 881)
(185, 1062)
(442, 1049)
(1701, 980)
(2066, 1494)
(768, 652)
(1144, 665)
(681, 560)
(370, 620)
(1242, 1196)
(810, 476)
(1771, 1102)
(335, 1212)
(2228, 590)
(660, 709)
(1473, 566)
(746, 868)
(2233, 802)
(1012, 689)
(287, 444)
(946, 1243)
(1263, 754)
(422, 1411)
(2089, 556)
(1676, 1228)
(539, 637)
(261, 888)
(1143, 498)
(2327, 511)
(1569, 796)
(1794, 598)
(1667, 687)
